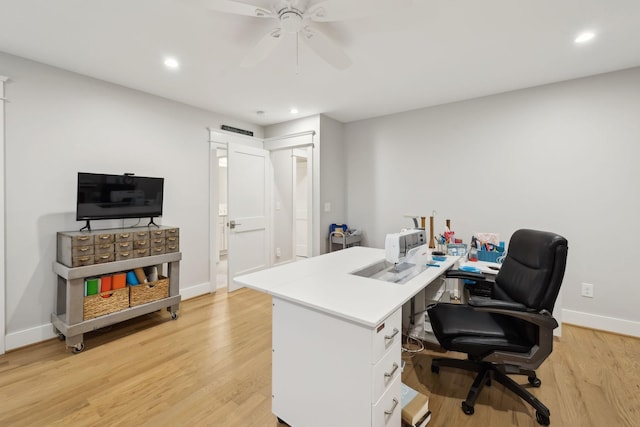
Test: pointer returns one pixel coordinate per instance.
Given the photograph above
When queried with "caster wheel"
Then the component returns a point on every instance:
(534, 381)
(467, 409)
(78, 348)
(61, 337)
(542, 419)
(435, 369)
(174, 316)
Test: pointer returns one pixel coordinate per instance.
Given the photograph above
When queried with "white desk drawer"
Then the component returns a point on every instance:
(387, 412)
(386, 371)
(386, 335)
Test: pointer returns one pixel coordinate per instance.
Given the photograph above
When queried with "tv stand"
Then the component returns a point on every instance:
(87, 226)
(151, 222)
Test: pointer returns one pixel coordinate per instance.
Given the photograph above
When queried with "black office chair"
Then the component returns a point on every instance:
(510, 332)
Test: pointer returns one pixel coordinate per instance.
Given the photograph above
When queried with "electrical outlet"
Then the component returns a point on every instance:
(278, 252)
(587, 290)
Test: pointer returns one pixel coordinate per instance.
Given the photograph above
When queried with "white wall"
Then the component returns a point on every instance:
(59, 123)
(282, 206)
(332, 177)
(560, 157)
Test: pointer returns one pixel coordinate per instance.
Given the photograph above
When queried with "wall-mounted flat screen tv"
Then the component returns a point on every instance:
(102, 196)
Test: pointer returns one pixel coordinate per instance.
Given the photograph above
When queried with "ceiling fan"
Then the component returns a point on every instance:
(303, 18)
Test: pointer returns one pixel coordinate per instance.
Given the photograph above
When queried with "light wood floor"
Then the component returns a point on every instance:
(212, 367)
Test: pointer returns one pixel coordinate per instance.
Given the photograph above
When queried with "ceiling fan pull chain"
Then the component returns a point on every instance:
(297, 54)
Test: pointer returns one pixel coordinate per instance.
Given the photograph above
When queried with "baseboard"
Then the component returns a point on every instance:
(29, 336)
(195, 291)
(44, 332)
(602, 323)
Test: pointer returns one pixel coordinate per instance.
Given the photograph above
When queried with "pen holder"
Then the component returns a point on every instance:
(490, 256)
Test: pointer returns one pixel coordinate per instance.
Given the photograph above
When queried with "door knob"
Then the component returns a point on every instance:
(232, 224)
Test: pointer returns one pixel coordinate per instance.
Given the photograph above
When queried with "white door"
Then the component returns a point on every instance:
(247, 210)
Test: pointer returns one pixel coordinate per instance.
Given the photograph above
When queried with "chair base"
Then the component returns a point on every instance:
(487, 372)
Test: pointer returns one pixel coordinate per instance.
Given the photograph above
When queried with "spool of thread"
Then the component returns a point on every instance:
(142, 278)
(432, 240)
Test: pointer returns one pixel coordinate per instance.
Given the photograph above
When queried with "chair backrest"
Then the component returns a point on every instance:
(533, 269)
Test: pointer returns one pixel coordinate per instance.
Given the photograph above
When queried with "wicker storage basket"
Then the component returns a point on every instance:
(147, 292)
(105, 303)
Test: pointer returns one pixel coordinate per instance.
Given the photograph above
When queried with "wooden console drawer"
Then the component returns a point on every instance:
(140, 244)
(104, 248)
(124, 237)
(122, 255)
(82, 250)
(157, 241)
(156, 233)
(172, 232)
(140, 235)
(81, 261)
(104, 238)
(101, 258)
(82, 240)
(157, 250)
(139, 253)
(124, 246)
(170, 248)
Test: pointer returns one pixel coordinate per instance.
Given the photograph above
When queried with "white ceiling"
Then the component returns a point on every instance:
(434, 52)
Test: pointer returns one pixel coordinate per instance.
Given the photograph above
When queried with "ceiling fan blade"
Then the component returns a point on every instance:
(236, 8)
(340, 10)
(325, 48)
(263, 48)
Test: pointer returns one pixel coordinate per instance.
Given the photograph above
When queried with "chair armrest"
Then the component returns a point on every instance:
(483, 302)
(513, 309)
(461, 274)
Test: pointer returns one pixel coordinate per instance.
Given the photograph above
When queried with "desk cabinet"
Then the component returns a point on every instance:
(350, 373)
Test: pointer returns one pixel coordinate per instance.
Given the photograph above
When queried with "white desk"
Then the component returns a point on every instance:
(336, 338)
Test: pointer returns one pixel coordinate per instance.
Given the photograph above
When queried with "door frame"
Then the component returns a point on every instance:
(3, 301)
(307, 154)
(219, 139)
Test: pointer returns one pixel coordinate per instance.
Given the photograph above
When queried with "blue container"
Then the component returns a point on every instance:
(490, 256)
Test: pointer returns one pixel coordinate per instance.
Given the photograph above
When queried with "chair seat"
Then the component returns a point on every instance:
(463, 329)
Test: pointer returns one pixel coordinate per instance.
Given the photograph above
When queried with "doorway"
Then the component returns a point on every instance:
(221, 254)
(243, 218)
(302, 204)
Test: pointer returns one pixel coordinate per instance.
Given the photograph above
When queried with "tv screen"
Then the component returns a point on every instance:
(102, 196)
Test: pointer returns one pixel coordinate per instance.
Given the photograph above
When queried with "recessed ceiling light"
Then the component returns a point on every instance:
(171, 63)
(294, 111)
(584, 37)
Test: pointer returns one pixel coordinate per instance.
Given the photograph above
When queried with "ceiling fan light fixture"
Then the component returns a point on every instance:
(291, 21)
(294, 111)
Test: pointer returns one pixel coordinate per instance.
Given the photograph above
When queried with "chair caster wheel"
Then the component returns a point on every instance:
(542, 419)
(435, 369)
(467, 409)
(534, 381)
